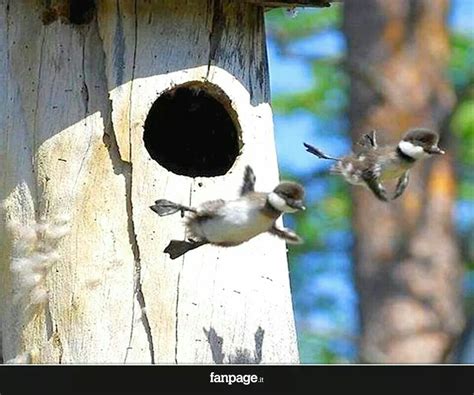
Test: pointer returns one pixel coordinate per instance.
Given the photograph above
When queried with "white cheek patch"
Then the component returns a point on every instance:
(413, 151)
(279, 203)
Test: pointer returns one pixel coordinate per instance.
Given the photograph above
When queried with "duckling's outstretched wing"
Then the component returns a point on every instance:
(248, 184)
(369, 140)
(286, 234)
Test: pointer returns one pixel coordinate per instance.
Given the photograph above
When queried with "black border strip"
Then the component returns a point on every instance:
(321, 379)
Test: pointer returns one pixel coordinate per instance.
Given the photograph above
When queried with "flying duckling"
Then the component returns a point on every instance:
(233, 222)
(375, 164)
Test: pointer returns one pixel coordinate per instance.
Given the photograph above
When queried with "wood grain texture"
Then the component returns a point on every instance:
(73, 109)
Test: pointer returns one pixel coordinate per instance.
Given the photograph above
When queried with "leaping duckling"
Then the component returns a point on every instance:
(233, 222)
(375, 164)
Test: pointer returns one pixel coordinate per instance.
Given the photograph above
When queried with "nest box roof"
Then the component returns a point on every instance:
(292, 3)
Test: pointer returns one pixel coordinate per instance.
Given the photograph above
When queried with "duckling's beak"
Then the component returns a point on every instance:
(435, 150)
(298, 204)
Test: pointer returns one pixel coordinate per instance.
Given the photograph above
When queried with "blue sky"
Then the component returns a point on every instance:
(290, 75)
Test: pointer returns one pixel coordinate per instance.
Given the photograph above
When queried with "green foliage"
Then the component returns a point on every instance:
(315, 347)
(462, 125)
(285, 29)
(325, 98)
(461, 72)
(461, 66)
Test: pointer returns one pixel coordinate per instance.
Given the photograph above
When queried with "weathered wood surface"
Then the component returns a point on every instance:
(73, 103)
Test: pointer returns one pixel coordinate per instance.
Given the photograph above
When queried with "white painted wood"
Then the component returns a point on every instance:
(67, 150)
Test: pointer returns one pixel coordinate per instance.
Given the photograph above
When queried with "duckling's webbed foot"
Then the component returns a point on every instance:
(164, 207)
(401, 185)
(286, 234)
(176, 248)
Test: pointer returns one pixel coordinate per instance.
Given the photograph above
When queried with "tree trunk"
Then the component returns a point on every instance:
(407, 264)
(83, 273)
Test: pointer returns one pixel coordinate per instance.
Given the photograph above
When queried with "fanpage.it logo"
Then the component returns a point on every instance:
(230, 379)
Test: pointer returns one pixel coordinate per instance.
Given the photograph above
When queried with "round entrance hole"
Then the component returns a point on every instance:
(190, 132)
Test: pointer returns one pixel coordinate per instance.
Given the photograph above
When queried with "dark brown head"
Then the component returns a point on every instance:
(420, 143)
(287, 197)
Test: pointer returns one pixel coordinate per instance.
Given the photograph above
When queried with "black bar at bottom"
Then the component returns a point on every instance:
(347, 380)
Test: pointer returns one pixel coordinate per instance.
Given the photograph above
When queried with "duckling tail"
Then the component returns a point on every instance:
(317, 152)
(164, 207)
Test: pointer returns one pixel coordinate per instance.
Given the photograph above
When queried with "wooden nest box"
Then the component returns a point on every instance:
(107, 106)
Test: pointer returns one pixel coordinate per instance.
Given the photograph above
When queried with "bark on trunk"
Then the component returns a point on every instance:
(77, 183)
(407, 265)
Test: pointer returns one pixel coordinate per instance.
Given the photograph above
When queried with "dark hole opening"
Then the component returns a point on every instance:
(189, 132)
(81, 11)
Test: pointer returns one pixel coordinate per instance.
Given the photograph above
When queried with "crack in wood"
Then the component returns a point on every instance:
(85, 97)
(124, 168)
(177, 314)
(138, 291)
(119, 40)
(178, 282)
(85, 89)
(215, 35)
(58, 344)
(35, 120)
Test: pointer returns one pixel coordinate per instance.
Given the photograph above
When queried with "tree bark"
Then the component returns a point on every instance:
(407, 264)
(83, 275)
